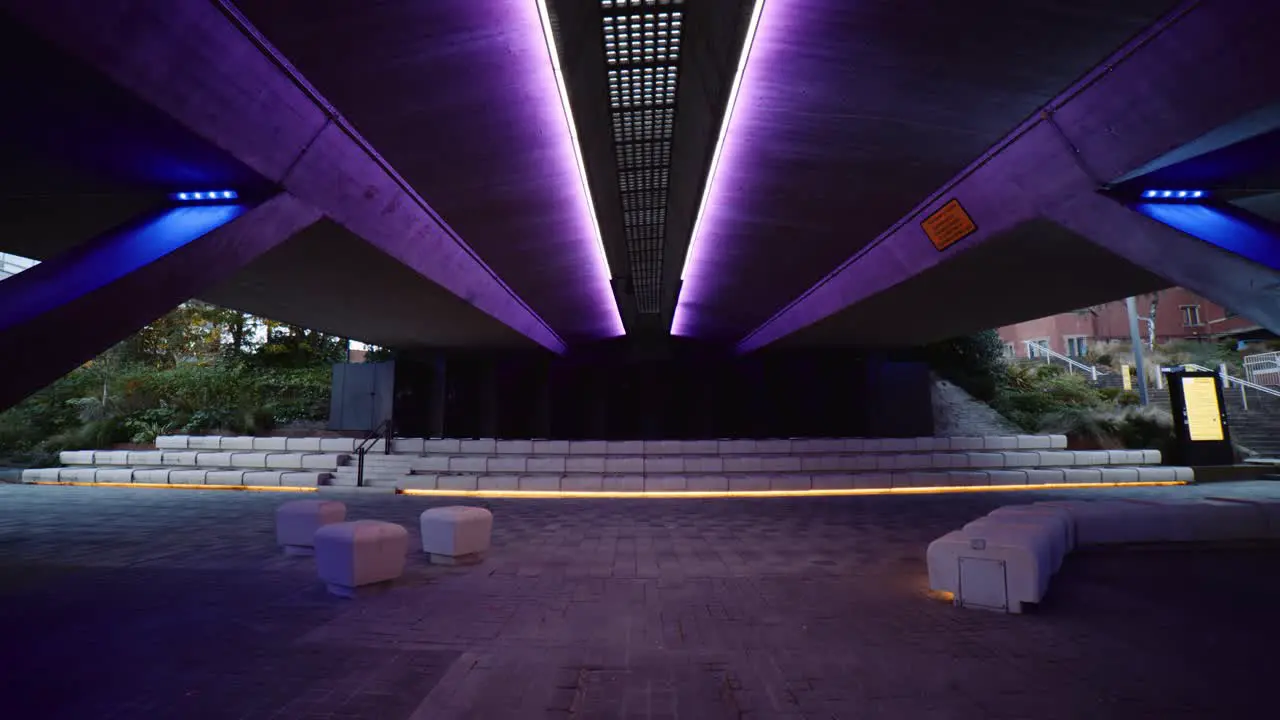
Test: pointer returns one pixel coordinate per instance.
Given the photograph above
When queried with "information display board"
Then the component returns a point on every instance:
(1199, 419)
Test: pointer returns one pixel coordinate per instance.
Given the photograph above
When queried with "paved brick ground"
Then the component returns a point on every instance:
(171, 604)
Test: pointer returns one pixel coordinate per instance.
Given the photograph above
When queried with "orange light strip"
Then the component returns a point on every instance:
(177, 486)
(578, 494)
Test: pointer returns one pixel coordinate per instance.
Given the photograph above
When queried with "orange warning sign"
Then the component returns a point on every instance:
(948, 226)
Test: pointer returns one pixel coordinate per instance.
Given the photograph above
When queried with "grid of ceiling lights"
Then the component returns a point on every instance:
(642, 54)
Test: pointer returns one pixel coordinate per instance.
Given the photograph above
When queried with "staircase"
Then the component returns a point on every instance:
(1257, 428)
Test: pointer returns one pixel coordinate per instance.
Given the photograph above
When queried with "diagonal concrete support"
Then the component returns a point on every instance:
(1193, 72)
(196, 61)
(63, 312)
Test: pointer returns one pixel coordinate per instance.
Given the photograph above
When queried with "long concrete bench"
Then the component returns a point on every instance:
(178, 476)
(1005, 559)
(209, 459)
(640, 482)
(483, 446)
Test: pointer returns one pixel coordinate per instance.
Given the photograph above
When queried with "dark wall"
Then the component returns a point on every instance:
(629, 390)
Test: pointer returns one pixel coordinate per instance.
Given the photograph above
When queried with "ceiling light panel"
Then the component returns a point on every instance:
(642, 44)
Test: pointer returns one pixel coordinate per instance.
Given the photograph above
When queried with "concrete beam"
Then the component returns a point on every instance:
(199, 63)
(1192, 72)
(62, 313)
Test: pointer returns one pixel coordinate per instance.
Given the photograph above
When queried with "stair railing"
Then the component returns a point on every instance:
(1049, 355)
(385, 431)
(1227, 381)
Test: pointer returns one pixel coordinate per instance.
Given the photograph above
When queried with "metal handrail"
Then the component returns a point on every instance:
(1071, 362)
(1229, 379)
(385, 431)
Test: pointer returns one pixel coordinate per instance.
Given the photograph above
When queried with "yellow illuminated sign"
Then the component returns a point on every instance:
(1128, 380)
(1204, 415)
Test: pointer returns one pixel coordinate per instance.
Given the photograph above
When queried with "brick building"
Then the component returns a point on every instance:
(1180, 315)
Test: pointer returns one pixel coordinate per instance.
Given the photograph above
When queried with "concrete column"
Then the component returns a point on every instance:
(63, 312)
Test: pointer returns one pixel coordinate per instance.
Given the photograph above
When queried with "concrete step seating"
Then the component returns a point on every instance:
(215, 459)
(178, 476)
(1005, 560)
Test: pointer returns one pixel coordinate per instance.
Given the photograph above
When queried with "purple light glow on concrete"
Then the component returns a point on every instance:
(555, 101)
(744, 116)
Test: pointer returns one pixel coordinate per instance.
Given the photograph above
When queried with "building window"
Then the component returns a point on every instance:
(1077, 346)
(1191, 316)
(1009, 351)
(1033, 348)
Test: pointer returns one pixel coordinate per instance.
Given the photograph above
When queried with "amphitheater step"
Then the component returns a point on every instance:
(178, 476)
(208, 458)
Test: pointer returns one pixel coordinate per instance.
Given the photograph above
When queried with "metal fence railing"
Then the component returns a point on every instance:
(1037, 350)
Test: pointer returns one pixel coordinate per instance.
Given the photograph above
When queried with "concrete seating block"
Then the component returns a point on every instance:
(737, 447)
(703, 463)
(1008, 477)
(204, 442)
(551, 447)
(285, 461)
(264, 478)
(213, 459)
(930, 444)
(405, 445)
(431, 463)
(249, 460)
(969, 478)
(1119, 475)
(111, 457)
(1056, 458)
(506, 464)
(782, 464)
(708, 483)
(775, 446)
(855, 445)
(236, 443)
(1124, 457)
(624, 465)
(309, 444)
(76, 457)
(1081, 476)
(806, 446)
(152, 476)
(351, 556)
(540, 483)
(790, 482)
(582, 483)
(324, 461)
(662, 447)
(1066, 525)
(619, 447)
(664, 464)
(986, 460)
(872, 481)
(595, 447)
(270, 444)
(1218, 520)
(339, 445)
(479, 446)
(1151, 457)
(552, 464)
(78, 474)
(904, 478)
(747, 483)
(298, 520)
(966, 443)
(898, 445)
(742, 463)
(816, 463)
(171, 442)
(668, 483)
(948, 460)
(146, 457)
(338, 479)
(1105, 522)
(831, 481)
(449, 446)
(700, 447)
(187, 477)
(1046, 476)
(514, 447)
(993, 568)
(41, 475)
(224, 477)
(858, 463)
(114, 475)
(1092, 457)
(1015, 459)
(465, 463)
(1156, 474)
(458, 482)
(1058, 442)
(1034, 442)
(1054, 528)
(581, 463)
(872, 445)
(498, 482)
(623, 483)
(456, 534)
(1000, 442)
(417, 482)
(1184, 474)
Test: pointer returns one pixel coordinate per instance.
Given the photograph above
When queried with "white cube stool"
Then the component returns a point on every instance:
(354, 556)
(993, 569)
(298, 520)
(456, 535)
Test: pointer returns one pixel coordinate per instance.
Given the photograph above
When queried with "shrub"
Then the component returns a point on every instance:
(975, 362)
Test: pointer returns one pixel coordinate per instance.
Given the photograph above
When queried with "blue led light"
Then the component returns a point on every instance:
(1175, 194)
(1149, 194)
(1166, 193)
(200, 196)
(210, 195)
(1182, 193)
(182, 196)
(1197, 193)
